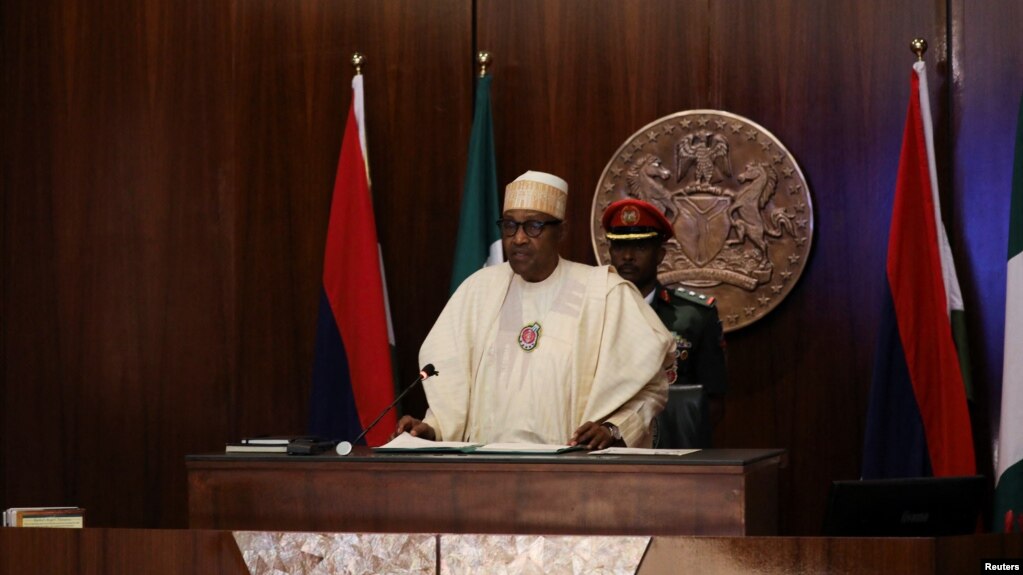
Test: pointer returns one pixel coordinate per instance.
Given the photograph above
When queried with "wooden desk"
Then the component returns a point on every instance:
(711, 492)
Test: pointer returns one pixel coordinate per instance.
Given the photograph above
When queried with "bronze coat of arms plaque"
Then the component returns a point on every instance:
(737, 201)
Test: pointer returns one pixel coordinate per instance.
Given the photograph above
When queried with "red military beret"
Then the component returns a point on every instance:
(632, 219)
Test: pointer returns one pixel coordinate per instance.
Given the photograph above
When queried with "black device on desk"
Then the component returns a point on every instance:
(906, 507)
(310, 445)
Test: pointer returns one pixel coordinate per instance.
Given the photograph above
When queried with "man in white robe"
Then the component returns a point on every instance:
(541, 349)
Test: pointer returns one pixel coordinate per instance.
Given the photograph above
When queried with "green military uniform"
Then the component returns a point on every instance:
(692, 319)
(637, 231)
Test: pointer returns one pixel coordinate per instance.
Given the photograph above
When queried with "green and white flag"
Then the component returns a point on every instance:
(1008, 514)
(479, 243)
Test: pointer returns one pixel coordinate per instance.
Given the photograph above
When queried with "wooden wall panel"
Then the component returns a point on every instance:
(100, 551)
(575, 79)
(987, 90)
(293, 86)
(166, 172)
(166, 194)
(30, 380)
(831, 80)
(117, 277)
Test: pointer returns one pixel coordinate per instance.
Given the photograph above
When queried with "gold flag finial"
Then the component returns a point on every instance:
(357, 61)
(484, 59)
(918, 46)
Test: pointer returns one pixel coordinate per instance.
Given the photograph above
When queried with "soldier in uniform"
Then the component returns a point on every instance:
(637, 232)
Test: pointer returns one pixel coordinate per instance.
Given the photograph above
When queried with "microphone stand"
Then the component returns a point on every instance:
(345, 447)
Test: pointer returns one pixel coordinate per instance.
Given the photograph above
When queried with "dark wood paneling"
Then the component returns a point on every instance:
(116, 551)
(848, 555)
(986, 99)
(714, 492)
(575, 79)
(117, 276)
(166, 171)
(99, 551)
(293, 87)
(165, 204)
(831, 81)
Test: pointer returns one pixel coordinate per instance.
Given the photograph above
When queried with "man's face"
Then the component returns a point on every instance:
(532, 258)
(637, 261)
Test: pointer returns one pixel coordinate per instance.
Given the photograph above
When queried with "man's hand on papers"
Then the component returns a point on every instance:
(592, 436)
(415, 427)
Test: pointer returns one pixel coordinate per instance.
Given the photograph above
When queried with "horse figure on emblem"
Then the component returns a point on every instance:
(644, 178)
(746, 212)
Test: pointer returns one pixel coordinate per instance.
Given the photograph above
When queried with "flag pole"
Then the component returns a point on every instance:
(353, 376)
(478, 243)
(484, 58)
(918, 46)
(357, 60)
(918, 421)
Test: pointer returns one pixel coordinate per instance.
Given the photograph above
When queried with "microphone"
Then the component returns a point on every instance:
(345, 447)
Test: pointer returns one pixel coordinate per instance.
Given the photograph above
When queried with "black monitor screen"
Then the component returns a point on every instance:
(912, 507)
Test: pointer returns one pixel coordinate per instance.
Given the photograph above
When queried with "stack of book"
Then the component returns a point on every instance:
(259, 445)
(44, 517)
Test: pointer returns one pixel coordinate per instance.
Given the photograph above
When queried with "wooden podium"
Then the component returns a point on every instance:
(723, 492)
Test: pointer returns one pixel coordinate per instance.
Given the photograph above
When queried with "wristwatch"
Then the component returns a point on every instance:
(616, 434)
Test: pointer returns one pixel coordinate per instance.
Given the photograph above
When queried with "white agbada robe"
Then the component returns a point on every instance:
(600, 356)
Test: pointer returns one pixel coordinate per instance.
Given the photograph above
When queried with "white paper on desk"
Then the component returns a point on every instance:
(521, 448)
(641, 451)
(406, 441)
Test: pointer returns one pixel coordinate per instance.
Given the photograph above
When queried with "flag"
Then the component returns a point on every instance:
(478, 243)
(1009, 474)
(918, 423)
(352, 375)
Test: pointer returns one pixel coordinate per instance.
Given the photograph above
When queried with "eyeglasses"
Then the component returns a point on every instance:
(533, 228)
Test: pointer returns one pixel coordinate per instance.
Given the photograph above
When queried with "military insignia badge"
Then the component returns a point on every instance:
(682, 347)
(529, 337)
(630, 216)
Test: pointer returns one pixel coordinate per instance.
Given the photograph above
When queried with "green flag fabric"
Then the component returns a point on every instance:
(1008, 515)
(479, 243)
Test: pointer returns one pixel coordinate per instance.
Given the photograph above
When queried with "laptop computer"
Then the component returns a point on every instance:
(908, 507)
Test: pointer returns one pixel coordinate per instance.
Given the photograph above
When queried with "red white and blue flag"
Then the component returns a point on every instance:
(918, 422)
(352, 374)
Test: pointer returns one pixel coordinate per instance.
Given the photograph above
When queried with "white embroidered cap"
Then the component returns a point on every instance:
(537, 191)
